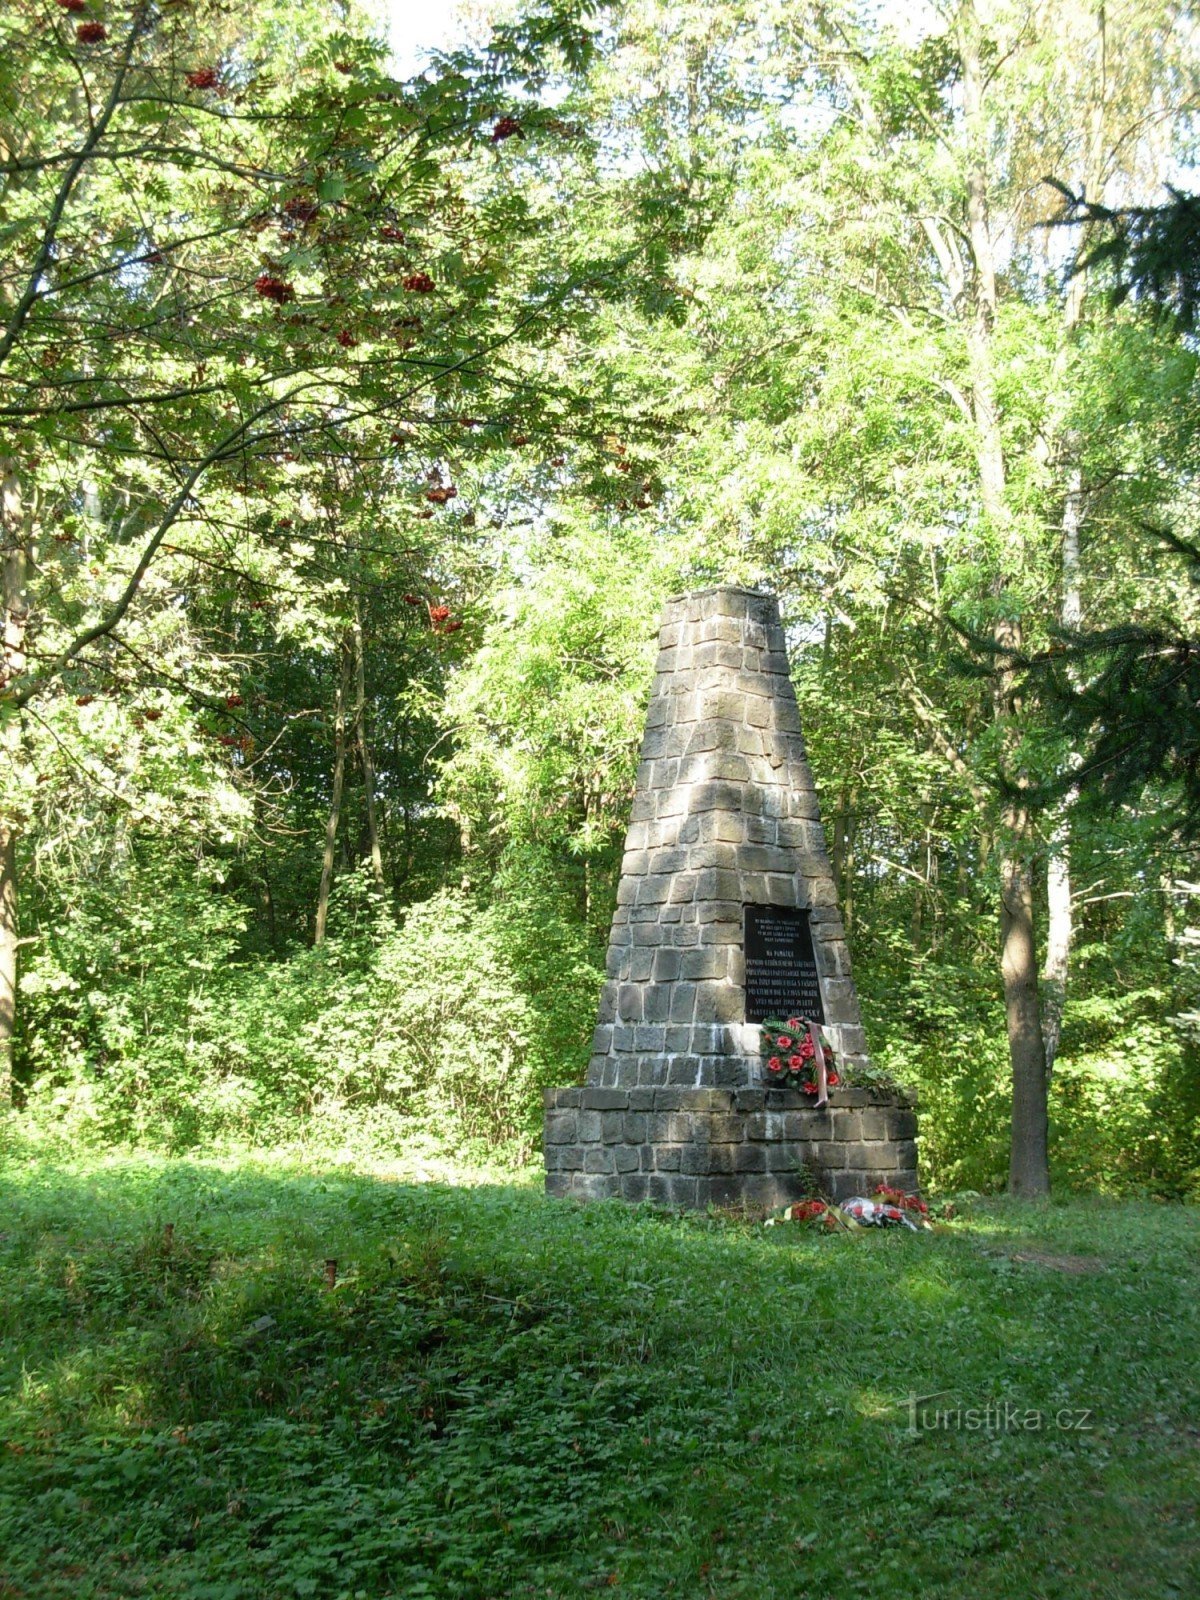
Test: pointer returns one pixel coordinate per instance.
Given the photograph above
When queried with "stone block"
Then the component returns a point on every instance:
(653, 889)
(604, 1099)
(629, 1005)
(711, 962)
(626, 1158)
(562, 1127)
(612, 1126)
(667, 966)
(589, 1127)
(598, 1160)
(750, 1157)
(683, 1002)
(717, 1002)
(875, 1123)
(872, 1157)
(717, 883)
(657, 1002)
(561, 1099)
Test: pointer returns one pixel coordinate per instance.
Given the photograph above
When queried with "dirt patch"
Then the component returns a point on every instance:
(1076, 1265)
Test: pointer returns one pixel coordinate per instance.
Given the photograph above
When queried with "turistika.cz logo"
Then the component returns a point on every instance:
(996, 1416)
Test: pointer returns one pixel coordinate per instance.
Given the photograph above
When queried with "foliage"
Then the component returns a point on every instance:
(339, 786)
(151, 1025)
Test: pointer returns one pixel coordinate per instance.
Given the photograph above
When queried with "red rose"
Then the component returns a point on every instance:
(810, 1088)
(795, 1062)
(91, 32)
(784, 1041)
(832, 1080)
(794, 1023)
(774, 1064)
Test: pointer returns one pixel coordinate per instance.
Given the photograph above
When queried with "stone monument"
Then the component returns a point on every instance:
(726, 915)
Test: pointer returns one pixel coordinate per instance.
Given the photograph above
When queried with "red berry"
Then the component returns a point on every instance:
(506, 128)
(418, 283)
(202, 78)
(91, 32)
(271, 288)
(73, 5)
(301, 210)
(346, 339)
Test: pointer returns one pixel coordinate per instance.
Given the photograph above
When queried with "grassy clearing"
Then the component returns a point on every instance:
(505, 1396)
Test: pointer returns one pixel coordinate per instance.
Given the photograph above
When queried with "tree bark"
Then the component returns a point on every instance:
(1059, 911)
(335, 803)
(363, 746)
(1029, 1172)
(1060, 929)
(14, 556)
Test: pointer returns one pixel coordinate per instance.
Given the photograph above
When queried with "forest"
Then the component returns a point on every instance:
(355, 430)
(359, 416)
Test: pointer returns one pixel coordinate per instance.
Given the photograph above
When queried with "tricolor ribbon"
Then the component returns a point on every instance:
(819, 1063)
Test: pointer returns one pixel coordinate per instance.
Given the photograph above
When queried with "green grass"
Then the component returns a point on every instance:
(505, 1396)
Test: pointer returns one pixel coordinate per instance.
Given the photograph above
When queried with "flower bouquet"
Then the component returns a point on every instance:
(798, 1055)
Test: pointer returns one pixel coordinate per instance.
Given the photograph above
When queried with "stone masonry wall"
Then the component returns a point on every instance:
(698, 1147)
(724, 815)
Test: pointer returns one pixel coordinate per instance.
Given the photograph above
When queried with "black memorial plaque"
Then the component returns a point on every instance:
(781, 969)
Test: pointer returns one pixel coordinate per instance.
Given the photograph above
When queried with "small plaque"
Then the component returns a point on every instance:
(781, 968)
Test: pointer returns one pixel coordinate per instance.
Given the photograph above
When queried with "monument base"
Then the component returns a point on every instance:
(756, 1148)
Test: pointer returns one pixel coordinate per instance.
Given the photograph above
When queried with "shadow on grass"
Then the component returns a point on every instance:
(505, 1395)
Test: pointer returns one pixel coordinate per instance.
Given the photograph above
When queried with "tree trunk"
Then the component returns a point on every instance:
(364, 748)
(14, 556)
(1059, 911)
(1029, 1169)
(1059, 914)
(335, 804)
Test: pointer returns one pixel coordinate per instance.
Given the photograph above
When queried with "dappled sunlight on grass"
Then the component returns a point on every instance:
(502, 1393)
